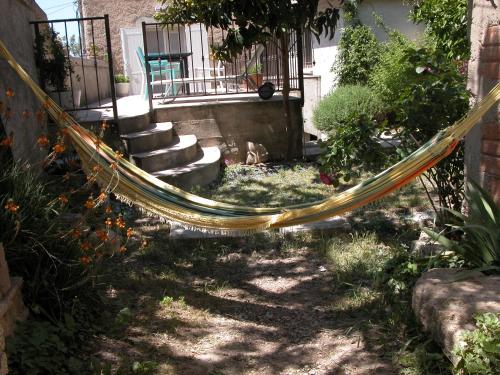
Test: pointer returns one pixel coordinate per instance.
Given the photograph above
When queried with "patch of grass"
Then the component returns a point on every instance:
(273, 185)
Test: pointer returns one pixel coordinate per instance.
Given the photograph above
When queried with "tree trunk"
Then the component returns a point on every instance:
(286, 95)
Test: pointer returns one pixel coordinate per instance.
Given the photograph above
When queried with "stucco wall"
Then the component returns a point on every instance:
(122, 14)
(87, 83)
(395, 16)
(16, 33)
(482, 146)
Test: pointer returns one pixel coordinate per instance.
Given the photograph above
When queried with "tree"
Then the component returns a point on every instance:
(247, 22)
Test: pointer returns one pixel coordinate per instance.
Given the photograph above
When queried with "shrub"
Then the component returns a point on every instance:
(479, 230)
(343, 105)
(346, 115)
(446, 25)
(389, 76)
(478, 354)
(121, 78)
(359, 52)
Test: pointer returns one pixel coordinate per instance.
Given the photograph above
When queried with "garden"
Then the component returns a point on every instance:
(110, 290)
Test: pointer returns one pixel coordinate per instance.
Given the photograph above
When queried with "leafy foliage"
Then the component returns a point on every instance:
(446, 22)
(434, 97)
(359, 52)
(480, 230)
(479, 352)
(390, 73)
(40, 347)
(347, 116)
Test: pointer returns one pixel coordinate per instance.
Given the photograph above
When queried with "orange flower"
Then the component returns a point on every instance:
(114, 165)
(85, 260)
(59, 148)
(43, 141)
(85, 245)
(102, 197)
(40, 115)
(76, 233)
(108, 209)
(108, 222)
(25, 114)
(11, 206)
(9, 92)
(122, 249)
(89, 203)
(46, 103)
(120, 223)
(118, 155)
(63, 199)
(130, 232)
(97, 169)
(6, 142)
(102, 235)
(97, 143)
(104, 125)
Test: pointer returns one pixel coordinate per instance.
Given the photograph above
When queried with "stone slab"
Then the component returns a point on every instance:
(446, 308)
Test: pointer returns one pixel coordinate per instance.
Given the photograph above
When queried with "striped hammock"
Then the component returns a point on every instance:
(131, 184)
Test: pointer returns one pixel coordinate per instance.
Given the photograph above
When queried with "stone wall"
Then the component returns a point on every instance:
(233, 122)
(129, 13)
(482, 151)
(16, 34)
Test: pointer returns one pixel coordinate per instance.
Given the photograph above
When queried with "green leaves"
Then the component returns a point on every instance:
(479, 352)
(480, 242)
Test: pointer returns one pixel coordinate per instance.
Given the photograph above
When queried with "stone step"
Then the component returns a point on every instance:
(158, 136)
(182, 151)
(134, 124)
(204, 170)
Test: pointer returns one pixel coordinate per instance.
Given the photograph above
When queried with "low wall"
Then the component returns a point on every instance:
(92, 81)
(233, 122)
(16, 34)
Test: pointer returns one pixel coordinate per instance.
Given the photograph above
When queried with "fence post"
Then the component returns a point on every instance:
(300, 64)
(147, 67)
(110, 65)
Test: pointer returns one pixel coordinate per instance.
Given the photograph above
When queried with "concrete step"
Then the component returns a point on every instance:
(182, 151)
(158, 136)
(204, 170)
(134, 124)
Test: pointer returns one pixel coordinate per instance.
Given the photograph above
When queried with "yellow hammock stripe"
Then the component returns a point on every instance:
(135, 186)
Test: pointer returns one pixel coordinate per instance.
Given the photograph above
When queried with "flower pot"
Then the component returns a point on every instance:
(122, 89)
(254, 80)
(65, 99)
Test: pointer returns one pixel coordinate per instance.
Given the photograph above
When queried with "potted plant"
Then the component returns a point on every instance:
(55, 67)
(122, 85)
(254, 76)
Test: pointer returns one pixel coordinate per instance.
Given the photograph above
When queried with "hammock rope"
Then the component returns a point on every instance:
(134, 186)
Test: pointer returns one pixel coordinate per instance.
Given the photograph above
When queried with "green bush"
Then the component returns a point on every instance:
(37, 244)
(446, 25)
(121, 78)
(359, 52)
(389, 76)
(343, 105)
(347, 116)
(479, 352)
(479, 230)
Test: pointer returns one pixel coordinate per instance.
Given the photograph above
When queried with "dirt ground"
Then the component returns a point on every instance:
(257, 312)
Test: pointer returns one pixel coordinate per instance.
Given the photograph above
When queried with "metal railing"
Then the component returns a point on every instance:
(177, 62)
(76, 70)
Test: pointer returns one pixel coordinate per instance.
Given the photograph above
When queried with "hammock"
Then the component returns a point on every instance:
(132, 185)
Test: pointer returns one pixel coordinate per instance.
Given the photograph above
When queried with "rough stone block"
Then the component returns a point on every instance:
(490, 147)
(490, 54)
(490, 70)
(491, 131)
(425, 246)
(492, 36)
(446, 308)
(490, 164)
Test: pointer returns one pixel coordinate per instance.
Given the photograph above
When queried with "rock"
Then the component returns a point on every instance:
(446, 308)
(425, 246)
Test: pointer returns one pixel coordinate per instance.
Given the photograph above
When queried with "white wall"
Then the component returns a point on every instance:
(395, 16)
